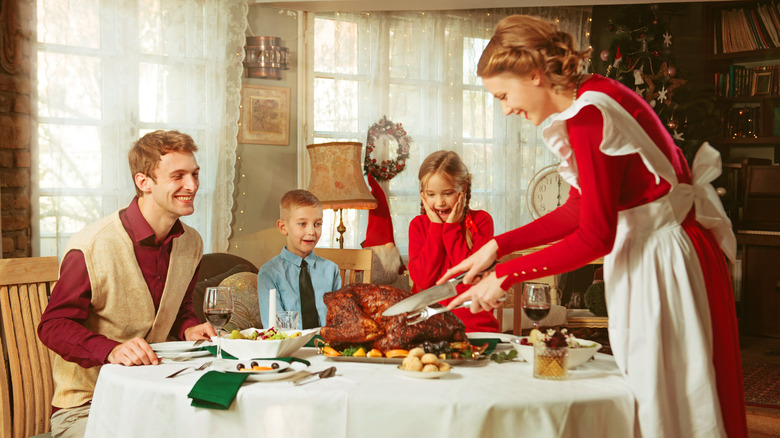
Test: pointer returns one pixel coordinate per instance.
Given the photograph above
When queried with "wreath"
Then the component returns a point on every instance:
(386, 169)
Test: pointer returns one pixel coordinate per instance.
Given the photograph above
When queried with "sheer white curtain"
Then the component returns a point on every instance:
(110, 71)
(419, 69)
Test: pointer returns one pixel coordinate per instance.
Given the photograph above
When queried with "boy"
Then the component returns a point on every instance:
(299, 276)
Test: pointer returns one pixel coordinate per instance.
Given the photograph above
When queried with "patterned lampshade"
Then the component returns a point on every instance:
(337, 177)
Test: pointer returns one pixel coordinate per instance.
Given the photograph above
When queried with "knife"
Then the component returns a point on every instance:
(429, 296)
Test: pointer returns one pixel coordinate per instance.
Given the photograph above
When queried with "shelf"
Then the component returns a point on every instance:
(738, 99)
(760, 141)
(752, 56)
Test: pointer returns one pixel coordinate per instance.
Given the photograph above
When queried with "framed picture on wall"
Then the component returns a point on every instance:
(265, 115)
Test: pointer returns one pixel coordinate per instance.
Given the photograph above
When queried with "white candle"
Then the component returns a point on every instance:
(271, 309)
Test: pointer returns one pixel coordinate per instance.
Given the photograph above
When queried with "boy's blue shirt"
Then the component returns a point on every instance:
(281, 273)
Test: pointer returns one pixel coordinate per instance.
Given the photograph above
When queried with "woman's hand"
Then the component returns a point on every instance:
(475, 264)
(457, 210)
(484, 295)
(431, 214)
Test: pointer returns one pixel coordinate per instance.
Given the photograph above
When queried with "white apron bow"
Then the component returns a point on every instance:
(709, 209)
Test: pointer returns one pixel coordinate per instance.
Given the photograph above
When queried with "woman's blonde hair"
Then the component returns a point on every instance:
(449, 166)
(522, 44)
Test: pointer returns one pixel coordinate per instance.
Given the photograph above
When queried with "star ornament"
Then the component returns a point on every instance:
(667, 39)
(678, 136)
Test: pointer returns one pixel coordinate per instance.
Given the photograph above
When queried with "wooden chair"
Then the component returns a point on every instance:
(25, 398)
(351, 263)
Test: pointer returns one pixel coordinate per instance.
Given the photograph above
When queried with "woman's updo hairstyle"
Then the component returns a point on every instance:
(522, 44)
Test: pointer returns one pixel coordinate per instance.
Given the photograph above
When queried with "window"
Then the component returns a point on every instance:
(419, 69)
(110, 71)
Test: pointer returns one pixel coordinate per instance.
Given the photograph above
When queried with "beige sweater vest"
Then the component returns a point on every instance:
(121, 307)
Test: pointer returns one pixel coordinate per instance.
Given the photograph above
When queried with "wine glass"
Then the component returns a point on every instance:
(218, 308)
(536, 301)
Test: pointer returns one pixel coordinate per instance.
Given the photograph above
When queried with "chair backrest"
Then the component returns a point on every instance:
(25, 399)
(351, 263)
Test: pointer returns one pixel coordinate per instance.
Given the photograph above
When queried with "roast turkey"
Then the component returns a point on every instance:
(355, 318)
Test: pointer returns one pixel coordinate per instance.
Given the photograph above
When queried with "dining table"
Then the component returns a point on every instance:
(370, 399)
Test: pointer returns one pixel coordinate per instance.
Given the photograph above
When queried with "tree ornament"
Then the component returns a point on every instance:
(672, 124)
(662, 94)
(618, 58)
(678, 136)
(383, 133)
(638, 78)
(672, 71)
(604, 55)
(667, 39)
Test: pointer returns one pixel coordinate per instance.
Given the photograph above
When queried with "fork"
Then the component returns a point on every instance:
(421, 315)
(200, 368)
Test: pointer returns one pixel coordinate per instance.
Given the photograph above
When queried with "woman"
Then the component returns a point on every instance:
(672, 319)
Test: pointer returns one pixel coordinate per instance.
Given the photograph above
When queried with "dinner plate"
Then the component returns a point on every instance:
(422, 375)
(184, 355)
(230, 366)
(174, 346)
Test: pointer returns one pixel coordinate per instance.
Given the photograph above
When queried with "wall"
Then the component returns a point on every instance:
(265, 172)
(16, 18)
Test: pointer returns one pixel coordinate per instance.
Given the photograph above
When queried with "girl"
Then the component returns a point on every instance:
(446, 231)
(672, 319)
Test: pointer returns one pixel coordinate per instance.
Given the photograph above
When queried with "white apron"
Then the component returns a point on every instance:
(659, 320)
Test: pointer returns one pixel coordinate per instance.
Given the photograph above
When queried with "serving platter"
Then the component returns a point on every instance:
(481, 361)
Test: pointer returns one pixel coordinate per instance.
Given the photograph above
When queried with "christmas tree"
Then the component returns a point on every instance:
(640, 57)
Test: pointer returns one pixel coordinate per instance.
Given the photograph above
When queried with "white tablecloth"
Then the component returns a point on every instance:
(371, 400)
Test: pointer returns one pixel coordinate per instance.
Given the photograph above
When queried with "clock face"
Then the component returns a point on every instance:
(547, 191)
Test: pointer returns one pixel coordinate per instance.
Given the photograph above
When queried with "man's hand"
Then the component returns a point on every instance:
(200, 331)
(136, 351)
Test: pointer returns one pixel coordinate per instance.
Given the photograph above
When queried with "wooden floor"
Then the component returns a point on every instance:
(762, 422)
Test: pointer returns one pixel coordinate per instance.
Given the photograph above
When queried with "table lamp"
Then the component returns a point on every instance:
(337, 179)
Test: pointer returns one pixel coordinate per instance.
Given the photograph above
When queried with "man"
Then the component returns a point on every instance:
(126, 280)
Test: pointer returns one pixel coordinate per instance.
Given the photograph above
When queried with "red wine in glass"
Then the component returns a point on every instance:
(218, 308)
(537, 313)
(536, 301)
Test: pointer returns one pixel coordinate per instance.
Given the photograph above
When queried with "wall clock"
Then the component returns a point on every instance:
(546, 192)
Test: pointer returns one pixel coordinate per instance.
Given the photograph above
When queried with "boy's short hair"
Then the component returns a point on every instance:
(296, 198)
(146, 153)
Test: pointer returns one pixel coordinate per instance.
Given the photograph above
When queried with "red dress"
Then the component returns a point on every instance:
(586, 226)
(435, 247)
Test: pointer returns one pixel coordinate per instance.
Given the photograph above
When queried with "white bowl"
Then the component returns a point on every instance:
(264, 349)
(577, 356)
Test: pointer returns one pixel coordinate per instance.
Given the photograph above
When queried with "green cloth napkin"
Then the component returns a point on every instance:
(213, 350)
(492, 342)
(216, 390)
(311, 341)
